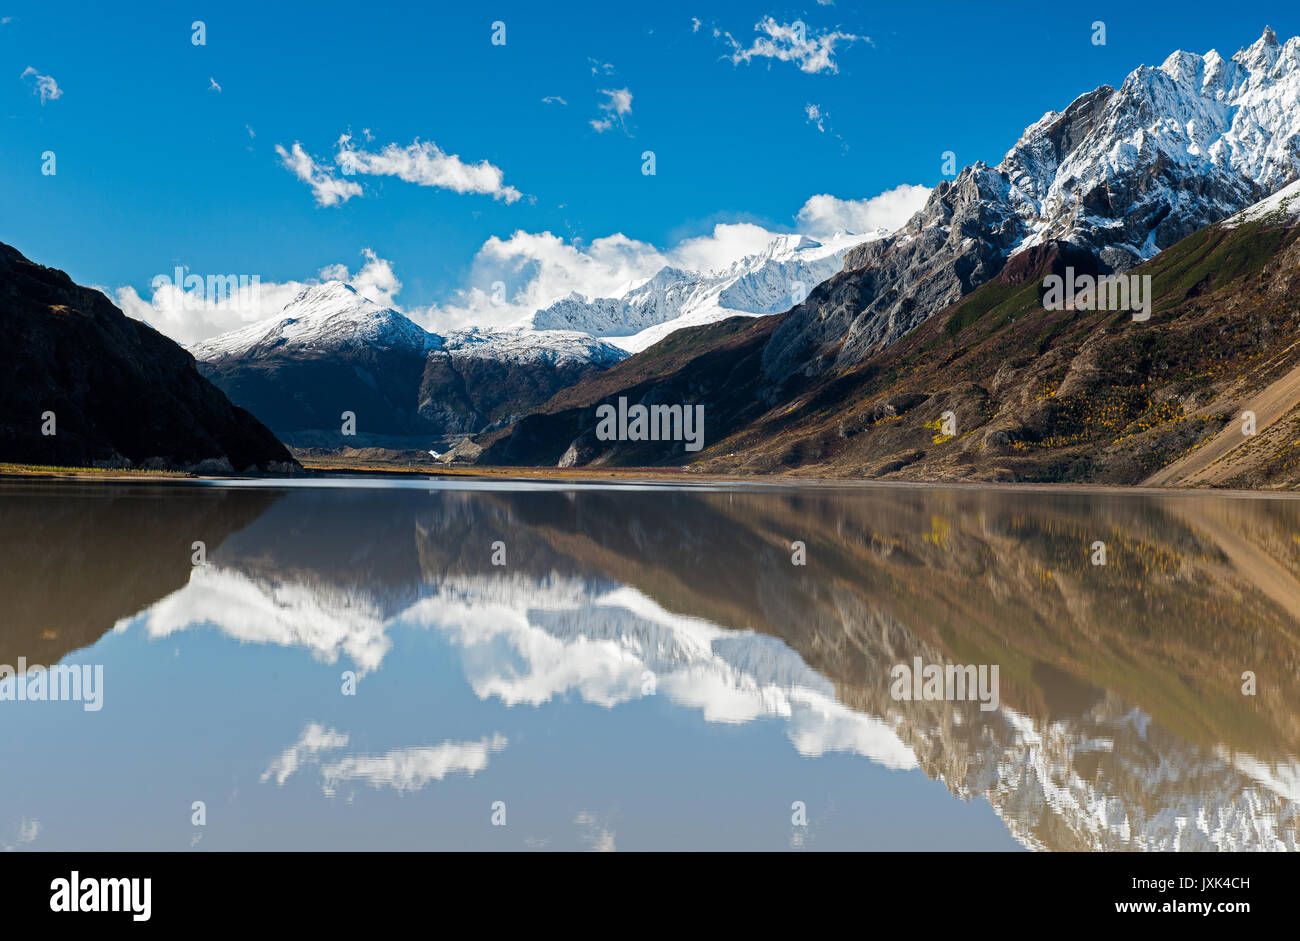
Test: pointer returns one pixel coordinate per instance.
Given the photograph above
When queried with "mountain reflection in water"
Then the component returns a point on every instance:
(1121, 720)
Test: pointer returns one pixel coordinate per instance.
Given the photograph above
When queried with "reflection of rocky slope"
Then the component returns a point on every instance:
(1122, 724)
(73, 562)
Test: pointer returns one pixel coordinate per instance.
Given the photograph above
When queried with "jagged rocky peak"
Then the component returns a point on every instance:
(1128, 172)
(1122, 173)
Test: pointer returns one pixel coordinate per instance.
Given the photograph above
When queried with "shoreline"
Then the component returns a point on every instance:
(667, 478)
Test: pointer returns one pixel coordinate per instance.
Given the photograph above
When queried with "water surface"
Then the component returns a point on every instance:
(648, 669)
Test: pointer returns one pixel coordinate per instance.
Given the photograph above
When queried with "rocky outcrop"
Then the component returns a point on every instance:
(1121, 174)
(957, 242)
(83, 384)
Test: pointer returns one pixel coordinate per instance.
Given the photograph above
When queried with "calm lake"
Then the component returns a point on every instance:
(422, 664)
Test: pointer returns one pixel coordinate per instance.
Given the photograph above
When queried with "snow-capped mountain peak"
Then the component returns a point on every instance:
(322, 318)
(767, 282)
(1120, 173)
(333, 317)
(1129, 171)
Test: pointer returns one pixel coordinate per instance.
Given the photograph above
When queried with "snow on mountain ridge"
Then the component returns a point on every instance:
(322, 317)
(766, 282)
(333, 316)
(531, 346)
(1285, 203)
(1130, 171)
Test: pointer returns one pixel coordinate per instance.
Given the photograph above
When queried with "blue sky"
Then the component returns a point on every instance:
(156, 168)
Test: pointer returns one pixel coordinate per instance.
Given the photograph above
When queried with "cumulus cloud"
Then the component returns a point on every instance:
(423, 163)
(513, 277)
(791, 42)
(328, 189)
(426, 164)
(191, 310)
(43, 85)
(824, 215)
(375, 281)
(617, 106)
(537, 268)
(728, 242)
(816, 116)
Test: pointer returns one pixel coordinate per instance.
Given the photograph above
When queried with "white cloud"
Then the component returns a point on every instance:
(791, 42)
(538, 269)
(816, 116)
(728, 242)
(375, 281)
(426, 164)
(617, 106)
(554, 100)
(188, 315)
(823, 215)
(328, 189)
(213, 86)
(43, 85)
(422, 163)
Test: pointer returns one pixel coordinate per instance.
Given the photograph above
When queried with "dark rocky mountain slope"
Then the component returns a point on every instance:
(120, 392)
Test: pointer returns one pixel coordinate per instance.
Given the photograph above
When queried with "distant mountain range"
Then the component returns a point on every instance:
(331, 350)
(768, 282)
(948, 315)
